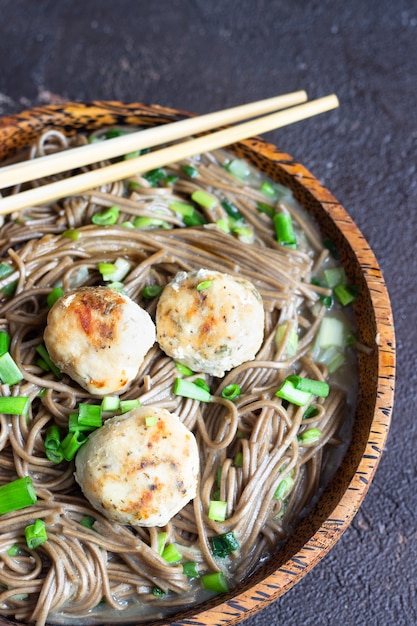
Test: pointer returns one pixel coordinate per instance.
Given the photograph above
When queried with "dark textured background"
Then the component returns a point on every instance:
(201, 55)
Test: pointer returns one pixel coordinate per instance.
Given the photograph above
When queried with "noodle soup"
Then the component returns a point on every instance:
(263, 456)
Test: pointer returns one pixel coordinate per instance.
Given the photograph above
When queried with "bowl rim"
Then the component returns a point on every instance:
(237, 606)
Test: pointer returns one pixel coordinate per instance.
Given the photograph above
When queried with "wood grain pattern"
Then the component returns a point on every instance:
(318, 532)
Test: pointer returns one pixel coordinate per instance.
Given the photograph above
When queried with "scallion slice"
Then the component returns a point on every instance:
(155, 176)
(171, 554)
(14, 550)
(18, 494)
(223, 545)
(161, 540)
(14, 405)
(151, 291)
(195, 219)
(309, 436)
(10, 374)
(72, 233)
(54, 295)
(262, 207)
(191, 171)
(335, 276)
(205, 284)
(215, 582)
(315, 387)
(89, 415)
(268, 189)
(232, 210)
(288, 392)
(183, 369)
(238, 460)
(4, 342)
(43, 353)
(107, 217)
(182, 208)
(232, 391)
(5, 270)
(284, 231)
(129, 405)
(204, 199)
(188, 389)
(150, 222)
(217, 510)
(158, 592)
(150, 421)
(88, 521)
(71, 444)
(35, 534)
(190, 569)
(284, 487)
(346, 294)
(110, 404)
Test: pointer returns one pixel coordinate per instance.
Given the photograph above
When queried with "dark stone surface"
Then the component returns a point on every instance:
(199, 55)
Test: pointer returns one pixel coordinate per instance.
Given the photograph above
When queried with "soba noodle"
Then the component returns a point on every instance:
(111, 571)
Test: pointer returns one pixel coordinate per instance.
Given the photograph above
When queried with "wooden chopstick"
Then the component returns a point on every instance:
(123, 169)
(95, 152)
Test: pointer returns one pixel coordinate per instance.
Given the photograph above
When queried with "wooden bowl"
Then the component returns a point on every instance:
(333, 513)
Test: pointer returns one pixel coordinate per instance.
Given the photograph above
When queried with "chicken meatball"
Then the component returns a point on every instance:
(140, 468)
(210, 321)
(99, 337)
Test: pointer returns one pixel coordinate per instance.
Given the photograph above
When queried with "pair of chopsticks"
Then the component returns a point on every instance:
(119, 146)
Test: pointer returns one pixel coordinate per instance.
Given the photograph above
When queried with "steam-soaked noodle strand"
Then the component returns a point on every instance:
(93, 574)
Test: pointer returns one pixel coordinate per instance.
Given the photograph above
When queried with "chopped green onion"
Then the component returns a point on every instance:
(17, 494)
(158, 592)
(9, 289)
(327, 300)
(200, 382)
(90, 415)
(330, 245)
(14, 405)
(150, 421)
(232, 391)
(335, 276)
(110, 404)
(151, 291)
(332, 357)
(346, 294)
(35, 534)
(155, 176)
(4, 342)
(128, 405)
(315, 387)
(284, 487)
(238, 168)
(183, 369)
(75, 426)
(215, 582)
(262, 207)
(88, 521)
(268, 189)
(52, 438)
(310, 412)
(161, 539)
(204, 199)
(292, 339)
(238, 460)
(332, 332)
(224, 544)
(5, 270)
(205, 284)
(132, 155)
(284, 231)
(217, 510)
(14, 550)
(188, 389)
(171, 179)
(288, 392)
(194, 220)
(54, 295)
(127, 224)
(10, 374)
(43, 353)
(114, 132)
(182, 208)
(72, 233)
(170, 554)
(191, 171)
(223, 225)
(190, 569)
(232, 210)
(150, 222)
(71, 444)
(107, 217)
(243, 234)
(106, 268)
(309, 436)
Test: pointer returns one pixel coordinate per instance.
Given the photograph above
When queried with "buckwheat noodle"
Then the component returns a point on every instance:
(82, 573)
